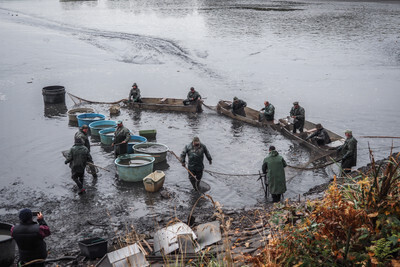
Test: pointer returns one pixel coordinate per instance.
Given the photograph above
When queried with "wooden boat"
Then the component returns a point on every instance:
(309, 127)
(252, 115)
(166, 104)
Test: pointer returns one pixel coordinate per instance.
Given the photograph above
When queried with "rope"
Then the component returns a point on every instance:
(94, 102)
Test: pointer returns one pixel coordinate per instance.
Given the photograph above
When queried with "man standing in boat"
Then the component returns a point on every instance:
(192, 97)
(83, 135)
(78, 156)
(134, 94)
(299, 116)
(349, 152)
(195, 151)
(238, 106)
(320, 137)
(269, 112)
(275, 164)
(121, 139)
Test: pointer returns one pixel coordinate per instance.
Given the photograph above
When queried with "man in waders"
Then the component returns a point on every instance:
(78, 156)
(83, 135)
(275, 165)
(269, 112)
(238, 106)
(121, 139)
(134, 94)
(299, 115)
(349, 152)
(320, 137)
(29, 237)
(195, 151)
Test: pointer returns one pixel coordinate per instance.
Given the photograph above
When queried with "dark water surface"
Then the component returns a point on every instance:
(341, 60)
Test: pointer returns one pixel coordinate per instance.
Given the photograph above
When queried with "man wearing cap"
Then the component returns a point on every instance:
(275, 165)
(269, 112)
(349, 152)
(78, 156)
(238, 106)
(320, 137)
(29, 237)
(83, 135)
(134, 94)
(192, 97)
(195, 151)
(299, 116)
(121, 139)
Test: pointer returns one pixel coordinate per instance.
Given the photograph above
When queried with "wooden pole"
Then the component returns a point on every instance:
(389, 137)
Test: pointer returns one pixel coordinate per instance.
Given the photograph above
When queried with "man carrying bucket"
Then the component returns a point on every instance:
(83, 135)
(78, 156)
(195, 151)
(121, 139)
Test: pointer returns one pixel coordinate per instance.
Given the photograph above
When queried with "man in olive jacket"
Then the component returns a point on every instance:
(83, 134)
(269, 112)
(78, 156)
(134, 94)
(121, 138)
(349, 152)
(275, 165)
(299, 116)
(238, 106)
(195, 151)
(320, 137)
(192, 97)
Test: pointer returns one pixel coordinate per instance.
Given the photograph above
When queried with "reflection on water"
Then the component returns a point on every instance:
(54, 110)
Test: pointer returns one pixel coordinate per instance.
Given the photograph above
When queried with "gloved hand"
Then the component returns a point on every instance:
(307, 138)
(66, 162)
(210, 161)
(183, 164)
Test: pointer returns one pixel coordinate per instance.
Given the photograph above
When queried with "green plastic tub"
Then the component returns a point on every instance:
(149, 134)
(134, 167)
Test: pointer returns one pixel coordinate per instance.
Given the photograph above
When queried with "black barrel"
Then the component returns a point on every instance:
(7, 245)
(53, 94)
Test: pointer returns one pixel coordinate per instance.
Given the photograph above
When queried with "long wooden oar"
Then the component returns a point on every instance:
(172, 152)
(389, 137)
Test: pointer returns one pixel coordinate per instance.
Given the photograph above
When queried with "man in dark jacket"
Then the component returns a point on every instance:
(269, 112)
(134, 94)
(121, 138)
(192, 97)
(299, 116)
(238, 106)
(78, 156)
(195, 151)
(349, 152)
(275, 165)
(320, 137)
(83, 135)
(29, 237)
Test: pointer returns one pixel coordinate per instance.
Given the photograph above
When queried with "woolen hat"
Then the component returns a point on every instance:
(191, 88)
(348, 132)
(318, 126)
(296, 103)
(78, 141)
(25, 215)
(134, 84)
(119, 122)
(271, 148)
(235, 98)
(196, 139)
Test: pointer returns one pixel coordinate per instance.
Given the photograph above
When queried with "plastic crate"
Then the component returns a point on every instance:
(149, 134)
(93, 248)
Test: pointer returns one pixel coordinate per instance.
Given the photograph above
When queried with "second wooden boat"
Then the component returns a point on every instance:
(166, 104)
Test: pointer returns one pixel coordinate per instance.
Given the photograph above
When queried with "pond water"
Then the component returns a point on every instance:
(340, 60)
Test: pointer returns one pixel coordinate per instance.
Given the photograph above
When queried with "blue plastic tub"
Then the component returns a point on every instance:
(135, 139)
(107, 136)
(134, 172)
(97, 126)
(88, 118)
